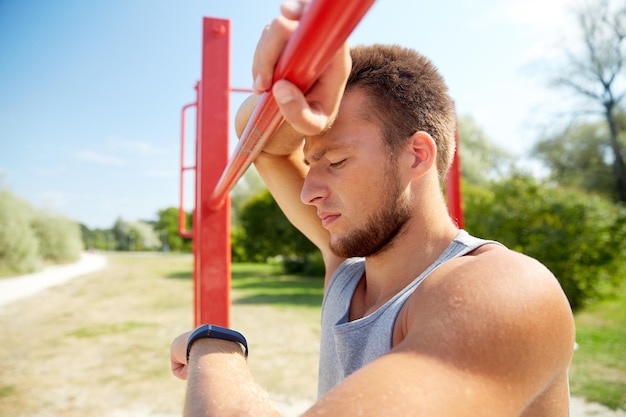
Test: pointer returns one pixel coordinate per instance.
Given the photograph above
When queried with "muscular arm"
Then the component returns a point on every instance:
(230, 391)
(476, 341)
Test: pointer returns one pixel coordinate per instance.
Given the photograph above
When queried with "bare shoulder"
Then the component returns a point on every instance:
(494, 311)
(495, 277)
(488, 334)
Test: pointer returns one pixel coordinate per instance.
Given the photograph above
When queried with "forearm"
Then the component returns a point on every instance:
(220, 385)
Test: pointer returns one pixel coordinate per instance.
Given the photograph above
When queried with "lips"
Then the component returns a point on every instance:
(327, 217)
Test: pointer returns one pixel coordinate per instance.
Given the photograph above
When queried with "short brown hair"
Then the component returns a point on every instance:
(408, 94)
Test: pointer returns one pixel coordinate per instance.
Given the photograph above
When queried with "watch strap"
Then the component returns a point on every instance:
(216, 332)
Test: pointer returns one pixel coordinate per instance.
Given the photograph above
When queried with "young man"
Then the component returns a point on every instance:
(419, 318)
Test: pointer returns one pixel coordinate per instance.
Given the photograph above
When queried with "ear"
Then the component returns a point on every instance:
(422, 151)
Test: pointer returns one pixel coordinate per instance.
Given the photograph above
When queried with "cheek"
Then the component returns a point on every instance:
(361, 189)
(365, 197)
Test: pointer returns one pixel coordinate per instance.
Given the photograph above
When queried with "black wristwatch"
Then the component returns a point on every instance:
(216, 332)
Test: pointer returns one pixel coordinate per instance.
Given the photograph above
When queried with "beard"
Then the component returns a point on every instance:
(381, 229)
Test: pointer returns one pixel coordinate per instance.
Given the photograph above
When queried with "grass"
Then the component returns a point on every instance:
(265, 284)
(598, 371)
(99, 346)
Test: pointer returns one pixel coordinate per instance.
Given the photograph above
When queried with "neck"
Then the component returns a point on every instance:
(424, 237)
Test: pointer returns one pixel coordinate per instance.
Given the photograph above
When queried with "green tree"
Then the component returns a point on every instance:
(59, 238)
(596, 72)
(166, 228)
(135, 236)
(579, 157)
(248, 185)
(265, 232)
(579, 237)
(481, 160)
(101, 239)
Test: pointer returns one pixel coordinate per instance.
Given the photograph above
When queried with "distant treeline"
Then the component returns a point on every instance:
(579, 236)
(141, 235)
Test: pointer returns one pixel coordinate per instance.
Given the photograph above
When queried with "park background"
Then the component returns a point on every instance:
(89, 124)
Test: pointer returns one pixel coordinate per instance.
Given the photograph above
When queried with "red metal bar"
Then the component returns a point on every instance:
(212, 227)
(182, 217)
(322, 30)
(453, 186)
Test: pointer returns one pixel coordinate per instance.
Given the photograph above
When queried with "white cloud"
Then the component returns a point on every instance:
(541, 14)
(53, 200)
(547, 24)
(162, 173)
(98, 158)
(137, 147)
(50, 170)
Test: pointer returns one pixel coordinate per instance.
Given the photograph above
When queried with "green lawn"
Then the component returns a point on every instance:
(598, 370)
(267, 284)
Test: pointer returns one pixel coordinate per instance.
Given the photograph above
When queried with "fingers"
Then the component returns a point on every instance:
(179, 370)
(293, 9)
(178, 356)
(272, 43)
(311, 113)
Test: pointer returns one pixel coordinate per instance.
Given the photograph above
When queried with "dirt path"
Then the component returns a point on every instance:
(102, 351)
(16, 288)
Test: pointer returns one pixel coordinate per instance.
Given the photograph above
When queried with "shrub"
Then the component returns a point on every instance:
(18, 243)
(579, 237)
(29, 237)
(264, 232)
(59, 238)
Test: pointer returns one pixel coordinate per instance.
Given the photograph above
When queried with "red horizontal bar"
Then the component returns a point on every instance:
(322, 30)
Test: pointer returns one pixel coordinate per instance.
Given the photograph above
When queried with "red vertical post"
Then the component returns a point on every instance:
(212, 226)
(453, 186)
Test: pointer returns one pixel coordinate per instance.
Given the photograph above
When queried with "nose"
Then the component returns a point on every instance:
(313, 190)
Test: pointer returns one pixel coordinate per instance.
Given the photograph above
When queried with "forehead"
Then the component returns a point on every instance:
(354, 126)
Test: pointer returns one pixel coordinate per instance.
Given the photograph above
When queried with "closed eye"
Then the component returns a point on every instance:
(338, 163)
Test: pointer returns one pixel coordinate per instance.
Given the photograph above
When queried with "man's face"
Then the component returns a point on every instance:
(353, 183)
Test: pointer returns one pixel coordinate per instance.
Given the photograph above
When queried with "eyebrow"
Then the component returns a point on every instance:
(315, 157)
(320, 154)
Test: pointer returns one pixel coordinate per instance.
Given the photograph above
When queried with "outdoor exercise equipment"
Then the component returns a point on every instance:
(322, 30)
(453, 186)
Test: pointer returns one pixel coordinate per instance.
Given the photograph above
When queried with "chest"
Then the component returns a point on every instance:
(361, 306)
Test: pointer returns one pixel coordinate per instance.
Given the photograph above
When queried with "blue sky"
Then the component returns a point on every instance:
(91, 91)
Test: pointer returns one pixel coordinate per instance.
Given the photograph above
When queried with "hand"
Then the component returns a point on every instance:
(178, 356)
(309, 114)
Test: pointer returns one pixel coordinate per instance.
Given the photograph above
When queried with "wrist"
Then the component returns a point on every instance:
(216, 339)
(204, 350)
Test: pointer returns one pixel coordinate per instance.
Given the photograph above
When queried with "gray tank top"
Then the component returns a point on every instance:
(349, 345)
